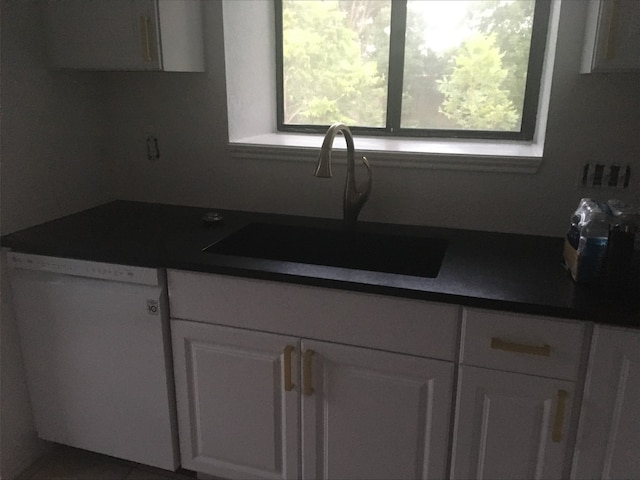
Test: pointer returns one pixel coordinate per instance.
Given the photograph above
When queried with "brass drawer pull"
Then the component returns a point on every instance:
(307, 364)
(288, 383)
(556, 434)
(540, 350)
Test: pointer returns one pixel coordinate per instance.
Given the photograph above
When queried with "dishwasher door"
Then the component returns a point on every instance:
(97, 356)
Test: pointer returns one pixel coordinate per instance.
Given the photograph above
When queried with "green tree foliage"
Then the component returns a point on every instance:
(423, 67)
(326, 79)
(362, 14)
(474, 96)
(336, 62)
(370, 19)
(511, 23)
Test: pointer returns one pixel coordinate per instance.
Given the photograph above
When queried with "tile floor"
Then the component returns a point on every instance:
(66, 463)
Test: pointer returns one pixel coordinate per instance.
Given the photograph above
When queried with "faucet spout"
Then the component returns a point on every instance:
(354, 196)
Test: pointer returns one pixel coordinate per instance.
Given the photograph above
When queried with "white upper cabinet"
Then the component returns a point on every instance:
(612, 36)
(164, 35)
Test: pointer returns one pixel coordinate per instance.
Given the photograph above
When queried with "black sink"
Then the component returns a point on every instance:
(417, 256)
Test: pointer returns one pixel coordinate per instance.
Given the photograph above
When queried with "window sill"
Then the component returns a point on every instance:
(470, 155)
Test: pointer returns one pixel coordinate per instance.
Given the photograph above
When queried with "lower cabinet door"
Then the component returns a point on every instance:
(368, 414)
(510, 426)
(238, 410)
(608, 444)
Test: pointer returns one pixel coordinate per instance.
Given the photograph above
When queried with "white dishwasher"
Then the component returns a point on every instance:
(96, 347)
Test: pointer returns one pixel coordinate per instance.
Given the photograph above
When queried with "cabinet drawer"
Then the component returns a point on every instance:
(375, 321)
(541, 346)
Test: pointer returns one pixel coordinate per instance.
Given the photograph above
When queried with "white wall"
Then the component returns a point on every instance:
(591, 118)
(53, 129)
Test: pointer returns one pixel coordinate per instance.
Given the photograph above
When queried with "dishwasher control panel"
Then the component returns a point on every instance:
(84, 268)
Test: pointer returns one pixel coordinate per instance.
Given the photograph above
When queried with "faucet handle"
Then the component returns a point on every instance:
(365, 187)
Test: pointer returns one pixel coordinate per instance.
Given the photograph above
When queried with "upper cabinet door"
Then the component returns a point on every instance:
(608, 445)
(510, 426)
(125, 34)
(368, 414)
(612, 36)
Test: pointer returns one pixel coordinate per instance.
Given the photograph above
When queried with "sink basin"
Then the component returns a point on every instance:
(417, 256)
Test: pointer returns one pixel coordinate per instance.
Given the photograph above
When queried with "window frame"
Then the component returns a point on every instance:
(533, 84)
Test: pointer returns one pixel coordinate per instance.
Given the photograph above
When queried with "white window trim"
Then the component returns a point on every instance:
(249, 37)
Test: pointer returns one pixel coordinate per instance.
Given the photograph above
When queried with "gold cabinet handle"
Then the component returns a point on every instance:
(288, 383)
(146, 40)
(307, 364)
(540, 350)
(556, 434)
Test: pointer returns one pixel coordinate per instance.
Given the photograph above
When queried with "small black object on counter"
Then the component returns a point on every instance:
(618, 259)
(212, 219)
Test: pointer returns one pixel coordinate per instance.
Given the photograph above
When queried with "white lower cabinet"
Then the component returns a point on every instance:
(374, 415)
(608, 443)
(510, 425)
(282, 381)
(235, 418)
(259, 405)
(516, 388)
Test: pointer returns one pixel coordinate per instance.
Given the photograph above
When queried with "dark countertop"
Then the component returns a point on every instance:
(518, 273)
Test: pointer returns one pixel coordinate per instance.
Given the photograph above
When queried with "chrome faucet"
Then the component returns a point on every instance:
(353, 198)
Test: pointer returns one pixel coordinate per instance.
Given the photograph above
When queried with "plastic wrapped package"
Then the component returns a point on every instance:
(586, 242)
(587, 253)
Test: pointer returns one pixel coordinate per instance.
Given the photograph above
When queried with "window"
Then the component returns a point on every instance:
(465, 69)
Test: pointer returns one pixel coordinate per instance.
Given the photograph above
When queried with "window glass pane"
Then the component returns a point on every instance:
(466, 64)
(335, 61)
